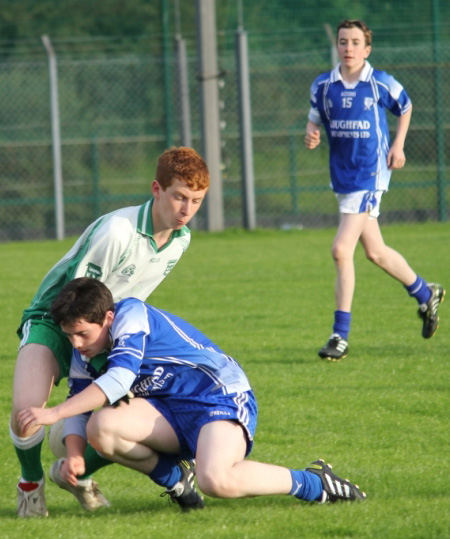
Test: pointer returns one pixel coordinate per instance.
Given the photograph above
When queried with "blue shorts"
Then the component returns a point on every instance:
(187, 415)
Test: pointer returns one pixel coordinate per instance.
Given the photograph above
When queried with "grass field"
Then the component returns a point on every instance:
(380, 416)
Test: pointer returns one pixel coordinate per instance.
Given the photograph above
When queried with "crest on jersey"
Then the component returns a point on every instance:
(129, 270)
(368, 102)
(93, 271)
(121, 343)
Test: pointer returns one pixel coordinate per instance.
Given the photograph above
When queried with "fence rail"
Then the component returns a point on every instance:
(114, 125)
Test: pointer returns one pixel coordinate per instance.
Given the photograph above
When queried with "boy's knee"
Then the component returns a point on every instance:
(375, 256)
(215, 484)
(99, 432)
(372, 257)
(338, 252)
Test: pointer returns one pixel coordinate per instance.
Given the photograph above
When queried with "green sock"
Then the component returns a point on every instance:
(93, 462)
(30, 462)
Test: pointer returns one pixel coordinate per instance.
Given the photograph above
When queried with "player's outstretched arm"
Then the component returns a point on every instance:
(396, 157)
(312, 138)
(89, 399)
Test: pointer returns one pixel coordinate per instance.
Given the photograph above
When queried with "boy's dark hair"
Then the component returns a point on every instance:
(83, 298)
(184, 164)
(355, 23)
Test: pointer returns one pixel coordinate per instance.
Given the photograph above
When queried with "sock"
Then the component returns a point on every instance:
(419, 290)
(342, 320)
(306, 485)
(28, 452)
(167, 472)
(93, 462)
(28, 486)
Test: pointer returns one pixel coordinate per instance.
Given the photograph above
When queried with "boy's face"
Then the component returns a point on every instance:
(176, 206)
(89, 338)
(352, 49)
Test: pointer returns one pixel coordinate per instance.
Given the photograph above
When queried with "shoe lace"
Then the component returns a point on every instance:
(175, 492)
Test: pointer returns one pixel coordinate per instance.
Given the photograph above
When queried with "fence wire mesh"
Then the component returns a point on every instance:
(118, 112)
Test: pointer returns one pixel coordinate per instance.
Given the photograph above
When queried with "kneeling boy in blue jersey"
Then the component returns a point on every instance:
(191, 401)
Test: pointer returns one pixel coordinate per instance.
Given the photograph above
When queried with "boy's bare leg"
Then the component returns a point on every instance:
(343, 250)
(35, 373)
(223, 472)
(130, 434)
(384, 256)
(136, 435)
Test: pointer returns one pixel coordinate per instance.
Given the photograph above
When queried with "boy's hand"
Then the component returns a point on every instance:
(312, 138)
(396, 157)
(36, 416)
(71, 468)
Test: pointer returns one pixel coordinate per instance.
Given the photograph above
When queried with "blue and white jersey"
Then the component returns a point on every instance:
(355, 120)
(164, 355)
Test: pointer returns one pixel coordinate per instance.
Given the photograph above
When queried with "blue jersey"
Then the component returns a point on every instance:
(177, 369)
(355, 121)
(166, 354)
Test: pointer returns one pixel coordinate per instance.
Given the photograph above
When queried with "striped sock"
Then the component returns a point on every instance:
(342, 320)
(306, 485)
(419, 290)
(28, 452)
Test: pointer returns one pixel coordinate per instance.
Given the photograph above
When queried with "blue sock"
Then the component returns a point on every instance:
(419, 290)
(341, 325)
(167, 472)
(306, 485)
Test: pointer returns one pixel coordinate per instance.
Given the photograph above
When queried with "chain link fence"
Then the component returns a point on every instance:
(119, 112)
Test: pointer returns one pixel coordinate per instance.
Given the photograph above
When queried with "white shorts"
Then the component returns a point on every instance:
(360, 202)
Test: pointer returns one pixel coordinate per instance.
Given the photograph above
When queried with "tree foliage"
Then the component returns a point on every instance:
(133, 25)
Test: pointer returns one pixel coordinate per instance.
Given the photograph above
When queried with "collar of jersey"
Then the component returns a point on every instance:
(145, 224)
(365, 75)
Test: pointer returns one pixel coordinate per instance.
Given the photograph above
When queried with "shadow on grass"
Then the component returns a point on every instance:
(136, 507)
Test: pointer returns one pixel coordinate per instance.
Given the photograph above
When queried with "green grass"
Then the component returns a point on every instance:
(380, 416)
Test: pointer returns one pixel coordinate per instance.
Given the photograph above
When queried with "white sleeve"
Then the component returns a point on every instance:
(103, 246)
(115, 383)
(314, 116)
(76, 425)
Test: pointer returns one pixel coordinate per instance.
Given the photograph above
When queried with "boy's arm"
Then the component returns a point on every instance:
(396, 156)
(312, 138)
(90, 398)
(74, 464)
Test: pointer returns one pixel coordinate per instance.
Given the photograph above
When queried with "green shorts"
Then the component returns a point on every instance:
(45, 331)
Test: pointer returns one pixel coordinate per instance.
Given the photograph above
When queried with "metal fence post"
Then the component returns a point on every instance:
(183, 91)
(439, 107)
(56, 139)
(209, 105)
(333, 51)
(167, 71)
(293, 171)
(95, 178)
(245, 124)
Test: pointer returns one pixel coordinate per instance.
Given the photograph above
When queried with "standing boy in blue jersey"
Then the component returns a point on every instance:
(350, 103)
(191, 401)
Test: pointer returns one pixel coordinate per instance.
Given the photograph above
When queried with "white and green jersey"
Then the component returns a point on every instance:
(119, 250)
